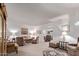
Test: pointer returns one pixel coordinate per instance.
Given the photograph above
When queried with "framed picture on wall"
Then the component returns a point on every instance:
(24, 31)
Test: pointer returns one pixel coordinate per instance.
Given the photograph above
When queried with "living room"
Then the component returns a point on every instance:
(41, 29)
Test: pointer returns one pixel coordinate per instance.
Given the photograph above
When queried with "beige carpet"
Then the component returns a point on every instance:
(33, 49)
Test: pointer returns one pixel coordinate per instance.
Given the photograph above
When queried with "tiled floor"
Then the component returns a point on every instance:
(33, 49)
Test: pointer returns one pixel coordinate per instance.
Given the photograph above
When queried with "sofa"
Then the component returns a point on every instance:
(29, 40)
(54, 43)
(73, 50)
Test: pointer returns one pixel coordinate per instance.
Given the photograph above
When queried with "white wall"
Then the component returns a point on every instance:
(18, 29)
(51, 26)
(56, 27)
(74, 30)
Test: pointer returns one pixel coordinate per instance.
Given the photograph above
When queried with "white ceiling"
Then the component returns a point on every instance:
(36, 13)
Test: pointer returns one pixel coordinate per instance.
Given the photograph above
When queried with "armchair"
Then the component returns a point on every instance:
(47, 38)
(12, 47)
(20, 41)
(35, 41)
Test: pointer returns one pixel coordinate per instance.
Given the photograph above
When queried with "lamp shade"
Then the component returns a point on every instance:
(65, 28)
(64, 33)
